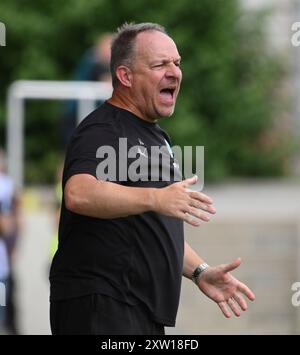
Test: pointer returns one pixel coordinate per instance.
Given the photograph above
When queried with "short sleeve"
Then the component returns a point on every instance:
(81, 157)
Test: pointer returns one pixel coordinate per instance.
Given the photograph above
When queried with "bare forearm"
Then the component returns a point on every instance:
(191, 260)
(103, 199)
(84, 194)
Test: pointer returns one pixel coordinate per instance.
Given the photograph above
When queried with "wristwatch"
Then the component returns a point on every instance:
(200, 268)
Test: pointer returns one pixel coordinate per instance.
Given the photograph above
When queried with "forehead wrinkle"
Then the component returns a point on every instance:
(150, 48)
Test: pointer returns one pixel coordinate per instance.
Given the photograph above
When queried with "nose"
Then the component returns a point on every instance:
(173, 71)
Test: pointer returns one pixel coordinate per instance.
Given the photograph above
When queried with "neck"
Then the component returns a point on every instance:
(125, 102)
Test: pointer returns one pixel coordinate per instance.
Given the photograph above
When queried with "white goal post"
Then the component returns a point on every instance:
(85, 92)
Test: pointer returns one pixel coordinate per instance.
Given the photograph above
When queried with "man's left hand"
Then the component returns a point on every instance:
(219, 285)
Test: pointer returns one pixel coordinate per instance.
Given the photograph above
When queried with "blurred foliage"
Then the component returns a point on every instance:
(228, 101)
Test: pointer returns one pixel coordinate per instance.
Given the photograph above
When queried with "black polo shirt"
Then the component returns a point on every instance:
(135, 259)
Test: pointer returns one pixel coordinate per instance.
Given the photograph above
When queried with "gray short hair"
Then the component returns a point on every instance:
(122, 49)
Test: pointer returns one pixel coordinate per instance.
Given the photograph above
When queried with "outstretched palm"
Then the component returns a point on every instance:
(219, 285)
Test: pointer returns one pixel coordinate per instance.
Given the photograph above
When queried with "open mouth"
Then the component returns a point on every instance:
(168, 94)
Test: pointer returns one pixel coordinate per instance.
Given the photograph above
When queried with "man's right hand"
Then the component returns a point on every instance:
(177, 200)
(84, 194)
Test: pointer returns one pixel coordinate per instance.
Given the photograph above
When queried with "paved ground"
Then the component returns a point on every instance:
(256, 220)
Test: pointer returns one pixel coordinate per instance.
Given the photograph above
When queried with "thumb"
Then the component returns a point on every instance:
(233, 265)
(190, 181)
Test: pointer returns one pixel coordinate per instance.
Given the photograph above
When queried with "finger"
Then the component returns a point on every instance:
(233, 265)
(224, 309)
(196, 213)
(190, 181)
(188, 219)
(199, 196)
(240, 301)
(202, 206)
(234, 307)
(246, 291)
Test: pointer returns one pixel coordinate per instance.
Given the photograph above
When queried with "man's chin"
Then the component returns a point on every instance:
(166, 113)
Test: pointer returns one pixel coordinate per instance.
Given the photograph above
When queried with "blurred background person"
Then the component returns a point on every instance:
(93, 66)
(4, 267)
(9, 231)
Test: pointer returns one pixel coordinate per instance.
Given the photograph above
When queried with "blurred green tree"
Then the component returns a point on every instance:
(229, 99)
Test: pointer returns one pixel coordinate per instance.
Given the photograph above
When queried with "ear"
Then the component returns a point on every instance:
(124, 75)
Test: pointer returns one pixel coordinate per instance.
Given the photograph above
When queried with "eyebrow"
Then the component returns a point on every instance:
(165, 60)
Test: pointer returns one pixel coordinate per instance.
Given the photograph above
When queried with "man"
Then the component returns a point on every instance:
(121, 251)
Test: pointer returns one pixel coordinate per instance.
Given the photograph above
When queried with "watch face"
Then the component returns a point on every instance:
(198, 271)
